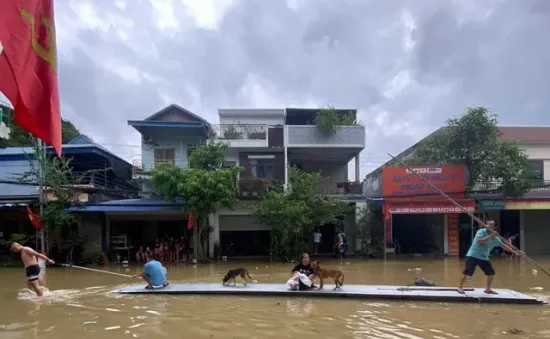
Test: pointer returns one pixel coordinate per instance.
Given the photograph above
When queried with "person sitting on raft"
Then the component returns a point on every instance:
(153, 273)
(304, 267)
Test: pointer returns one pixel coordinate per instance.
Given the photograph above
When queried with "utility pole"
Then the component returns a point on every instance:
(41, 193)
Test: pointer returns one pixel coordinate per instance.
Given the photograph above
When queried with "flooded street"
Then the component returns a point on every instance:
(79, 305)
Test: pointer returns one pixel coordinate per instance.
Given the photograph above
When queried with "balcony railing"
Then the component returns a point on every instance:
(240, 132)
(100, 180)
(497, 187)
(255, 189)
(340, 188)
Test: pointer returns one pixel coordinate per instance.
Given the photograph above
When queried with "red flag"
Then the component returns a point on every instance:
(28, 65)
(36, 220)
(190, 221)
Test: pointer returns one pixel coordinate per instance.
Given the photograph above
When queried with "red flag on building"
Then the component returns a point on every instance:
(28, 65)
(190, 221)
(36, 220)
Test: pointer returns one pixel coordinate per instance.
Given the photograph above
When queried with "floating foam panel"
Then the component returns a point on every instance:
(437, 294)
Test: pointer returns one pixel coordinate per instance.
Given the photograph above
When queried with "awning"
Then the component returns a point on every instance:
(128, 206)
(13, 204)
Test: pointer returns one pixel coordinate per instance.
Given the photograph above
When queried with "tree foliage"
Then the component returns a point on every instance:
(58, 180)
(370, 229)
(21, 138)
(472, 139)
(201, 189)
(328, 120)
(293, 214)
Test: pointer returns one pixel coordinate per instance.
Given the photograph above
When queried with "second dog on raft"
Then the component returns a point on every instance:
(233, 274)
(324, 273)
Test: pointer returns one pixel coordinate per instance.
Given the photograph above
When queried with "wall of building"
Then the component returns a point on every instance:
(179, 145)
(539, 152)
(353, 136)
(252, 117)
(535, 232)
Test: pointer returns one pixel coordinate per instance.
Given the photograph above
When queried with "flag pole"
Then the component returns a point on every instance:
(41, 192)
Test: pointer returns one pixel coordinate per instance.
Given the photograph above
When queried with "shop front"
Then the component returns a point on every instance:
(534, 230)
(418, 220)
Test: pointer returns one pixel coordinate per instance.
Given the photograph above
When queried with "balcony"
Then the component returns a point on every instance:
(309, 136)
(535, 188)
(340, 188)
(242, 135)
(255, 189)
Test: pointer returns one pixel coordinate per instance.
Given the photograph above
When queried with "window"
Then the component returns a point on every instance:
(165, 156)
(262, 169)
(191, 149)
(537, 170)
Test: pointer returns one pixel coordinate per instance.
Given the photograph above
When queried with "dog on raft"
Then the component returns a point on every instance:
(325, 273)
(423, 282)
(232, 275)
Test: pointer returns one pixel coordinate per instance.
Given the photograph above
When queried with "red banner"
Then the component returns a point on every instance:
(36, 220)
(28, 66)
(453, 233)
(399, 181)
(429, 207)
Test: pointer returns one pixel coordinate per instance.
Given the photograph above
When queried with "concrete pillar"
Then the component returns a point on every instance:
(522, 231)
(285, 146)
(357, 169)
(445, 234)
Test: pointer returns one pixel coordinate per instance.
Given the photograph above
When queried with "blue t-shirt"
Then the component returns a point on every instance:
(155, 273)
(482, 251)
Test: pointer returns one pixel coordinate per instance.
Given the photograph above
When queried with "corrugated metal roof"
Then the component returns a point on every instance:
(7, 171)
(128, 206)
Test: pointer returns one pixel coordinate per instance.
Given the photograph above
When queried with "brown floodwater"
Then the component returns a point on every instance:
(79, 305)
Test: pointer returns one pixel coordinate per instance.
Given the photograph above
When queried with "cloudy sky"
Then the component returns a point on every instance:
(406, 65)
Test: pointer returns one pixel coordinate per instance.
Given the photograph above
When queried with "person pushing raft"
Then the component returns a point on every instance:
(484, 241)
(32, 269)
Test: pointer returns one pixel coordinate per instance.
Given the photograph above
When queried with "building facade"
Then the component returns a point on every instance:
(265, 142)
(526, 216)
(98, 175)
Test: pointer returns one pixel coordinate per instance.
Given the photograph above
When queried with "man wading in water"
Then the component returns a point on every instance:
(478, 255)
(32, 270)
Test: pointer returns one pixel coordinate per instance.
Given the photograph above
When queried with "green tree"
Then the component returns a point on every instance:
(58, 180)
(329, 120)
(472, 139)
(21, 138)
(294, 214)
(370, 229)
(201, 189)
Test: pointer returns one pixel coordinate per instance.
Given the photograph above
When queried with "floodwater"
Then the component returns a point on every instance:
(79, 305)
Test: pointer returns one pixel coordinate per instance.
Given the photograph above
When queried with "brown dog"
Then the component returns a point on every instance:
(324, 273)
(233, 274)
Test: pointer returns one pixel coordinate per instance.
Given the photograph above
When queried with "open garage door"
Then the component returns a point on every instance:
(241, 236)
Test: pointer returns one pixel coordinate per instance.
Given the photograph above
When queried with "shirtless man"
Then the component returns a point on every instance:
(30, 260)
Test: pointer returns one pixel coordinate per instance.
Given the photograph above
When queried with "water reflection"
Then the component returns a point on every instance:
(79, 303)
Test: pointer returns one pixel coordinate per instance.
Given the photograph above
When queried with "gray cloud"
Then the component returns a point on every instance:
(407, 66)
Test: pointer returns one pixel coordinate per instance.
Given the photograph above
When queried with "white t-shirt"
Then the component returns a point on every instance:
(317, 237)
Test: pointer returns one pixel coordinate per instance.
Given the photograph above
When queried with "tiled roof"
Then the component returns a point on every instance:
(529, 134)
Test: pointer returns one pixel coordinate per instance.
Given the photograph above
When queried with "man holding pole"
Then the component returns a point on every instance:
(32, 269)
(485, 240)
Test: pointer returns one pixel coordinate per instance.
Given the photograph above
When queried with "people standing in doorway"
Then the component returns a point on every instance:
(484, 241)
(317, 236)
(177, 250)
(341, 244)
(140, 255)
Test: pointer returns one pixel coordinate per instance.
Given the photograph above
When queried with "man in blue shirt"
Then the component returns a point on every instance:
(478, 255)
(153, 273)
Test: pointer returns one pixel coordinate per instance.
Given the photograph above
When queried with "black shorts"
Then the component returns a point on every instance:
(472, 263)
(32, 272)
